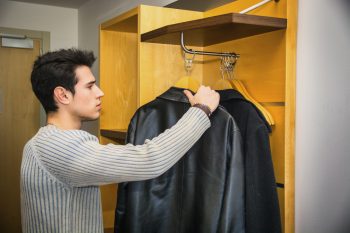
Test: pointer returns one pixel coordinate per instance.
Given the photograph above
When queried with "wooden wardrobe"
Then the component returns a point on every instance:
(140, 58)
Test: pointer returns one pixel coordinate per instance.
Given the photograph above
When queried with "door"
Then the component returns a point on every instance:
(19, 121)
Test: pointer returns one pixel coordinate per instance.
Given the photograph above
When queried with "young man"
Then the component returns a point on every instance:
(63, 166)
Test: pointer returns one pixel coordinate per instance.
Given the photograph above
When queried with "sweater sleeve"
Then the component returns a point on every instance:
(76, 158)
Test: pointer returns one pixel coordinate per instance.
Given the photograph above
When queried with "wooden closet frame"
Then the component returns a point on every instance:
(140, 58)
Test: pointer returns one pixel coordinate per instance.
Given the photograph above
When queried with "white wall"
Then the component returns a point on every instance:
(66, 25)
(62, 23)
(323, 117)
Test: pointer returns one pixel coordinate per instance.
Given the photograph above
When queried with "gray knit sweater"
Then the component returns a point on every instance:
(62, 169)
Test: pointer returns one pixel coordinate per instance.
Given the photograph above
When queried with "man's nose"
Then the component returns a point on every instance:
(100, 93)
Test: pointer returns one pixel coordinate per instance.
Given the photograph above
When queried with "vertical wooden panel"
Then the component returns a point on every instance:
(109, 201)
(277, 141)
(118, 78)
(291, 36)
(119, 81)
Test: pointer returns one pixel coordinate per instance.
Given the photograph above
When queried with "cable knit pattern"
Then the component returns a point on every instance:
(62, 169)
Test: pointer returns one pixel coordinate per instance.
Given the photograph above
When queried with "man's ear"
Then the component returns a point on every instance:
(61, 95)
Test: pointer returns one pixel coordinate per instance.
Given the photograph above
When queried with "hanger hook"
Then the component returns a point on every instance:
(188, 63)
(227, 66)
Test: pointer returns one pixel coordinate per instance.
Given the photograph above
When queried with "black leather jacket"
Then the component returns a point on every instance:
(203, 192)
(261, 200)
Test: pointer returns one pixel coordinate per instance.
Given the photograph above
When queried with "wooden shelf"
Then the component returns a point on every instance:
(118, 134)
(216, 29)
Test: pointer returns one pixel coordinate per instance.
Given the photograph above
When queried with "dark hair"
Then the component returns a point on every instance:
(55, 69)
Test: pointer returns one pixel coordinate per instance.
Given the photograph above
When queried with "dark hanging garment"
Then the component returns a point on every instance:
(261, 200)
(203, 192)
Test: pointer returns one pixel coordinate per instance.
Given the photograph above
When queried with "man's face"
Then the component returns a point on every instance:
(86, 102)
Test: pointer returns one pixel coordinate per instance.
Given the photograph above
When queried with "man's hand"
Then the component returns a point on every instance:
(205, 95)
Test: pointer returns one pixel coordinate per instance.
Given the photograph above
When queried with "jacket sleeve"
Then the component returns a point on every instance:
(262, 209)
(77, 159)
(232, 218)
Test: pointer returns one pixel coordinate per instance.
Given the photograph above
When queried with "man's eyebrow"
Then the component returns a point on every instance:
(91, 82)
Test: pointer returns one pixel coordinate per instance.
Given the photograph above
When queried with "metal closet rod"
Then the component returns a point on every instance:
(190, 51)
(256, 6)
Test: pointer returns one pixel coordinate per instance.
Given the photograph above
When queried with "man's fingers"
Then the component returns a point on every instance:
(189, 96)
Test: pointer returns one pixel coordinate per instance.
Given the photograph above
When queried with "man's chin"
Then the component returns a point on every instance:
(90, 118)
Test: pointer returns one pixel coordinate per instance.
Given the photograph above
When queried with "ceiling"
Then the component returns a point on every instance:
(198, 5)
(62, 3)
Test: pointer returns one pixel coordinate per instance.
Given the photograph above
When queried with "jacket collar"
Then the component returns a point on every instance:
(175, 94)
(231, 94)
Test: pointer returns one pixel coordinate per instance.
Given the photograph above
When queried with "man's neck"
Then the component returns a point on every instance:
(63, 121)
